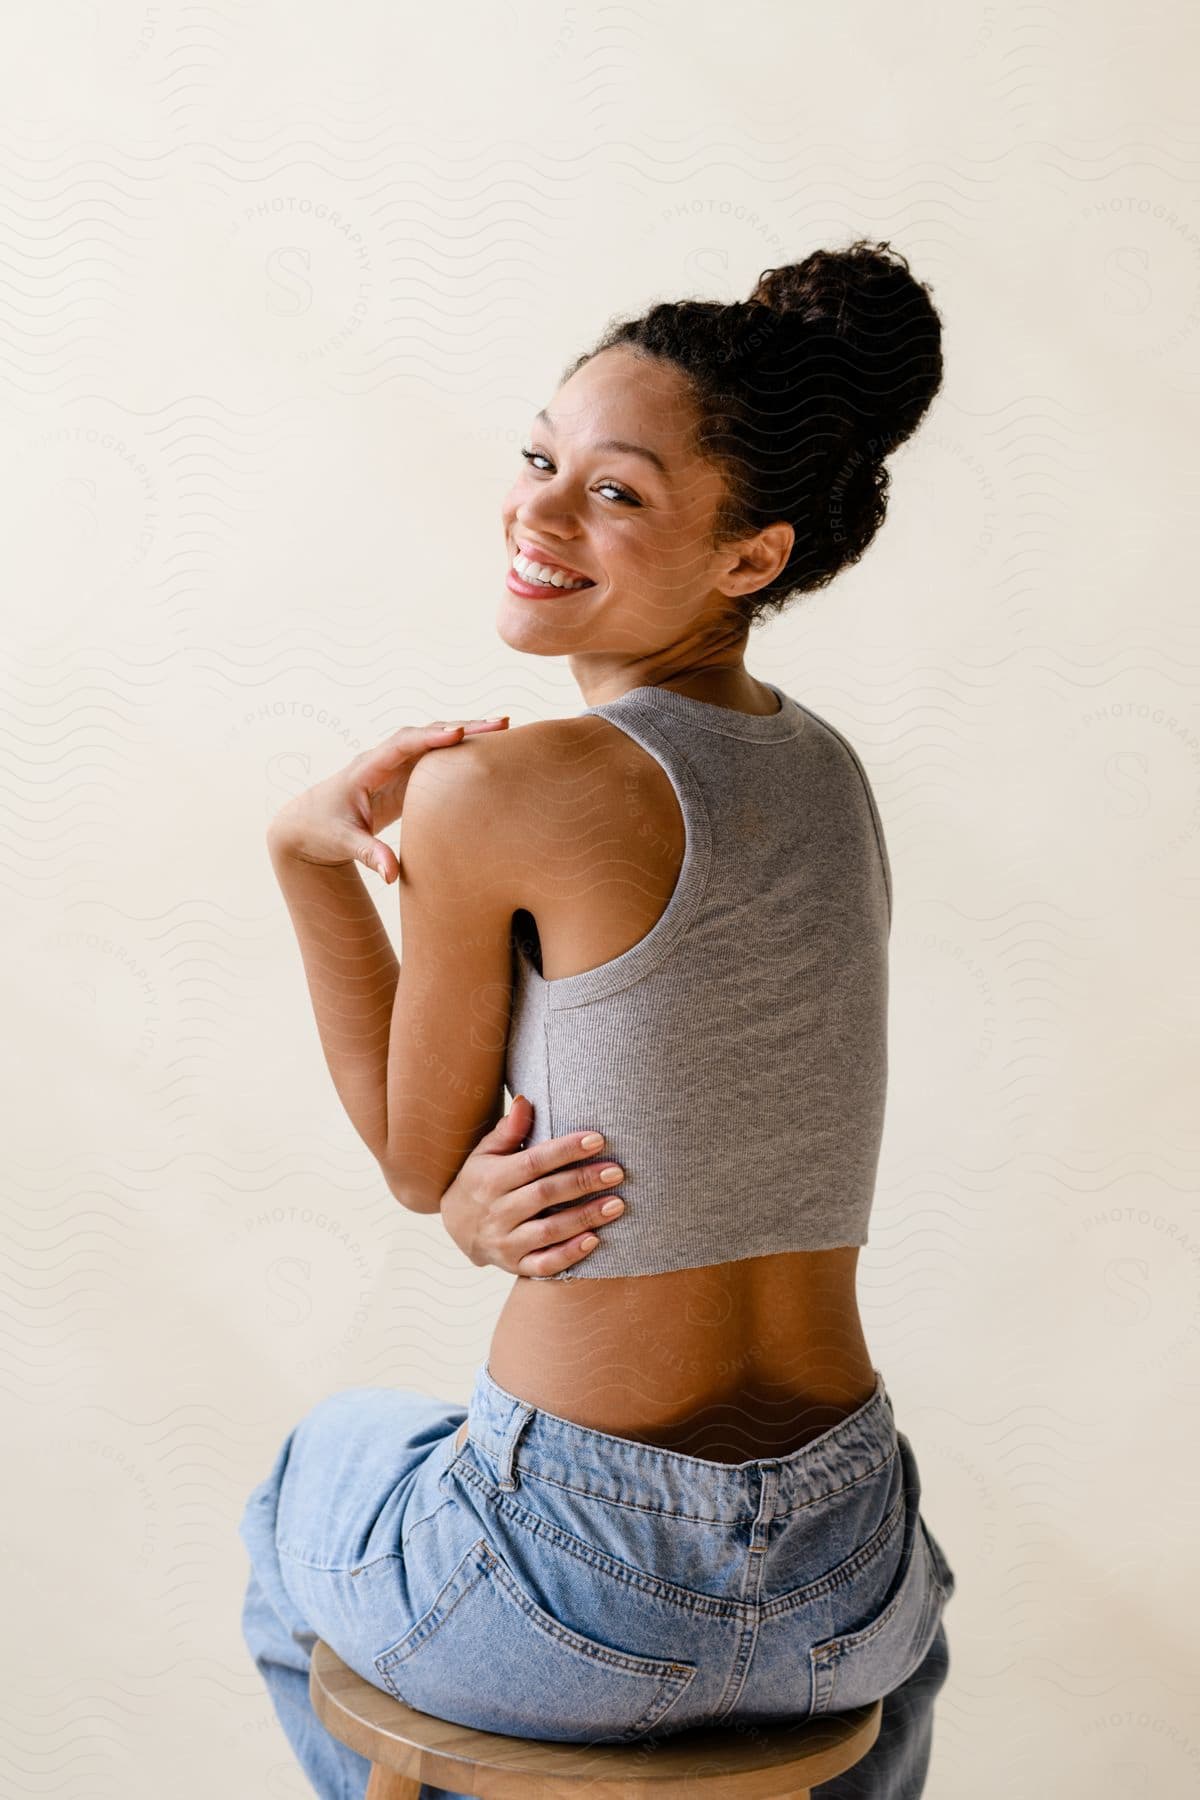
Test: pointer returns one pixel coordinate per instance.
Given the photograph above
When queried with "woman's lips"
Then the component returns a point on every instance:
(541, 590)
(543, 559)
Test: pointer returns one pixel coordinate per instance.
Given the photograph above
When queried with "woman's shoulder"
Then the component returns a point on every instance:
(545, 752)
(583, 805)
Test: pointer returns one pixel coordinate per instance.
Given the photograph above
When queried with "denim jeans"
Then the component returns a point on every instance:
(531, 1577)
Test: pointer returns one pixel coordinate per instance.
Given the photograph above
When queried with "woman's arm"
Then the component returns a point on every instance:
(315, 843)
(416, 1049)
(352, 972)
(450, 1020)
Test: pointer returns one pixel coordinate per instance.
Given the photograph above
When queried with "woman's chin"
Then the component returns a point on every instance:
(530, 625)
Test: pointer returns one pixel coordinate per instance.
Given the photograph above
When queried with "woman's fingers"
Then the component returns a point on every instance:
(560, 1230)
(558, 1188)
(539, 1160)
(382, 859)
(409, 741)
(414, 740)
(440, 727)
(524, 1183)
(540, 1264)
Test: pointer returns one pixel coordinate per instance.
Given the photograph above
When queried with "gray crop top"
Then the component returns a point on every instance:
(735, 1058)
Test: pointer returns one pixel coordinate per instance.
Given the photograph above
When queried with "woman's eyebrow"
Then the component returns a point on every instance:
(615, 444)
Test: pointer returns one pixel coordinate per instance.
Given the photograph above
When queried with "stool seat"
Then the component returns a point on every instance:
(727, 1762)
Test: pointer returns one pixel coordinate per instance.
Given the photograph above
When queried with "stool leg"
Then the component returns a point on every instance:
(385, 1785)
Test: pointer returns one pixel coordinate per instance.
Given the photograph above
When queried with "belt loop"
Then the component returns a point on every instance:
(506, 1460)
(768, 1494)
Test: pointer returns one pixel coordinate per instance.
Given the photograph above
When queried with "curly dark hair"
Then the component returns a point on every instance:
(801, 392)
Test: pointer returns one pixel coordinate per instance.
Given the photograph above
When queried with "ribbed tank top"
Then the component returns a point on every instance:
(735, 1057)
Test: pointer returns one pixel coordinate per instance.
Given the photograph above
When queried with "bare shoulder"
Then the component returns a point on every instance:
(587, 810)
(494, 775)
(564, 792)
(505, 759)
(547, 764)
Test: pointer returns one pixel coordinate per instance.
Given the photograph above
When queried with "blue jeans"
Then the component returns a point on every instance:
(531, 1577)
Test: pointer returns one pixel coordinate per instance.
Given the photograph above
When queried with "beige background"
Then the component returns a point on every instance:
(280, 291)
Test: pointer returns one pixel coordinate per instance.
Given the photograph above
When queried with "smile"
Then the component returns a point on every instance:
(546, 575)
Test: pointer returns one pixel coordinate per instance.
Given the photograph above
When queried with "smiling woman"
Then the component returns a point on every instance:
(630, 509)
(666, 919)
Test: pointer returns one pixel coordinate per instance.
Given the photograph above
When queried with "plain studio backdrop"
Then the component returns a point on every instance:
(281, 288)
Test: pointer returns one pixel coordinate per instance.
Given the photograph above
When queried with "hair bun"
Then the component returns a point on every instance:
(880, 326)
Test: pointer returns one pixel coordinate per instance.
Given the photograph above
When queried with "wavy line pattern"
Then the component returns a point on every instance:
(280, 292)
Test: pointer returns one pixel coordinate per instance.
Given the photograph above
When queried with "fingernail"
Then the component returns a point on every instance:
(589, 1243)
(592, 1141)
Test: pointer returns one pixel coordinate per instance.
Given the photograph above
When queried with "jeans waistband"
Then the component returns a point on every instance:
(519, 1436)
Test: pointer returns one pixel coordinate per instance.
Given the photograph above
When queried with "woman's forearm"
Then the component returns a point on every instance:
(352, 973)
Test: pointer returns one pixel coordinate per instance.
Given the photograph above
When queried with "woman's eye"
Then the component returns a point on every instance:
(535, 456)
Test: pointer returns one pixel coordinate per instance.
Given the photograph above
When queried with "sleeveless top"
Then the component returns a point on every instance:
(735, 1058)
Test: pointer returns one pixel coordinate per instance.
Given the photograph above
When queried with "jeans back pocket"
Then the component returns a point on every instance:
(488, 1656)
(859, 1666)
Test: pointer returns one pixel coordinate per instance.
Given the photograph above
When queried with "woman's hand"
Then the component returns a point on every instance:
(334, 822)
(488, 1207)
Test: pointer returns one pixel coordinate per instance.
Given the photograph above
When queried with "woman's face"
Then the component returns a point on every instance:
(640, 532)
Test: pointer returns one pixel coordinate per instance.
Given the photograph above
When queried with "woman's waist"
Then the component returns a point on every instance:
(727, 1363)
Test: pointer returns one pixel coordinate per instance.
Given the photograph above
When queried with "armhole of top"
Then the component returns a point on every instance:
(656, 944)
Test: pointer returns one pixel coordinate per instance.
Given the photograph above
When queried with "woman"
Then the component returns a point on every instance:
(678, 1495)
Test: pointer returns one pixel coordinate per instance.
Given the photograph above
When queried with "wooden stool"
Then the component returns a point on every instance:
(747, 1762)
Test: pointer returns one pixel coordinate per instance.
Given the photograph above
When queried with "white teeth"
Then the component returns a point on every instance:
(531, 571)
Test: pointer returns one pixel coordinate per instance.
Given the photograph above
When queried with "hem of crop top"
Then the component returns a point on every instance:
(631, 713)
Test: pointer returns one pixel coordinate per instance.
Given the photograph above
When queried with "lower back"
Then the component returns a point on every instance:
(730, 1362)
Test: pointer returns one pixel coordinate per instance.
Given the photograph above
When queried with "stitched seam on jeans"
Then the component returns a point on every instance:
(535, 1476)
(874, 1547)
(412, 1643)
(688, 1599)
(832, 1493)
(650, 1668)
(337, 1568)
(426, 1517)
(305, 1562)
(834, 1654)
